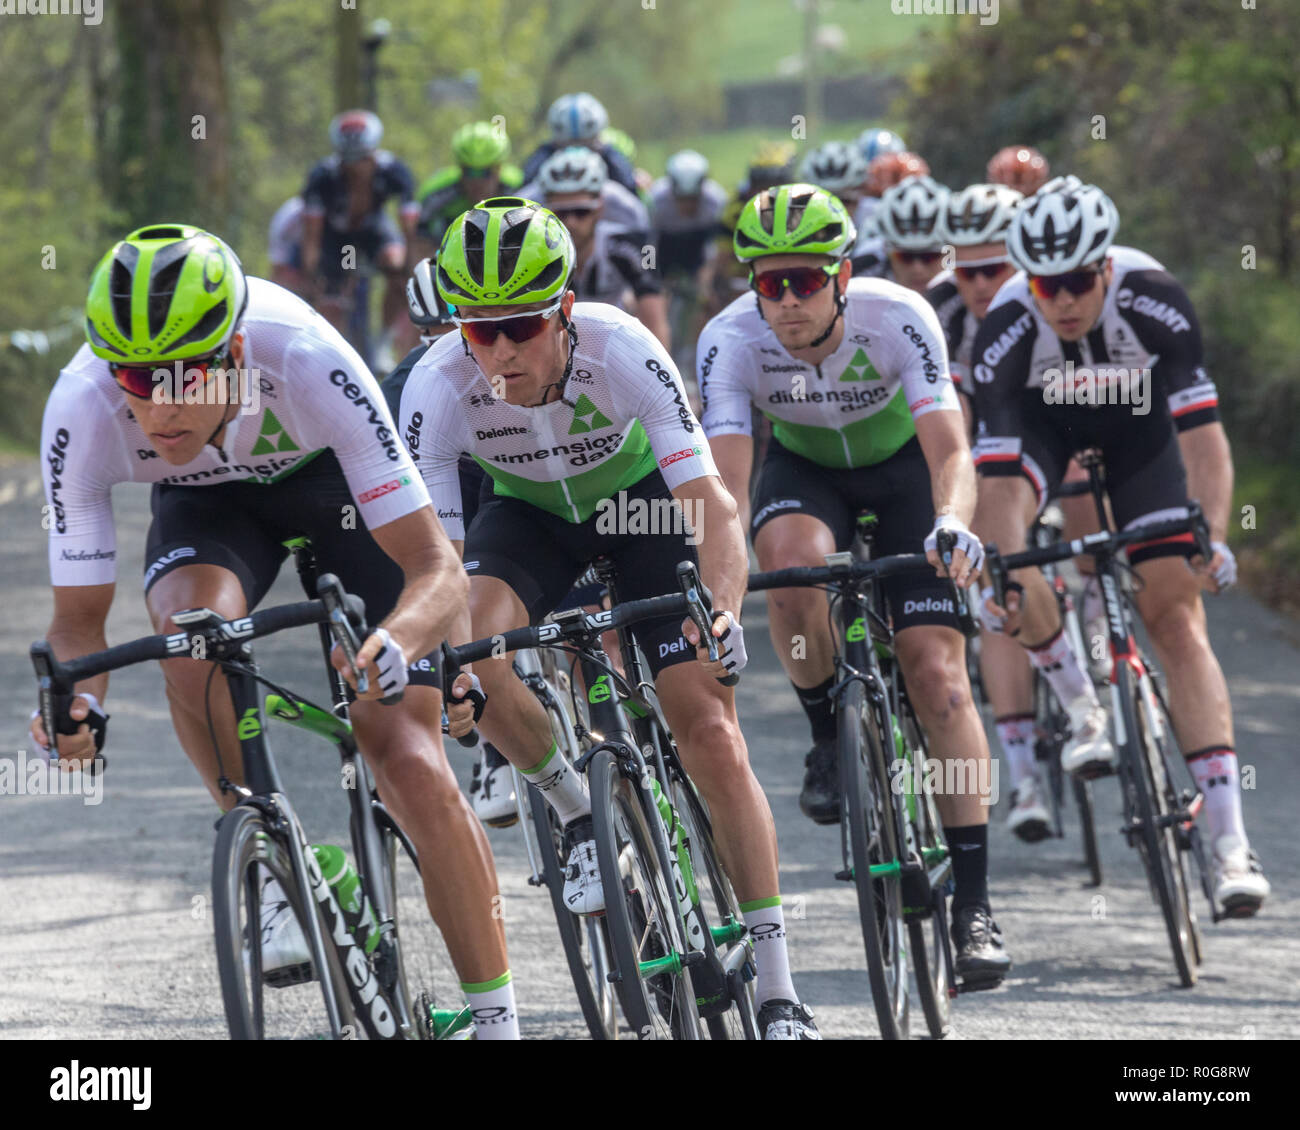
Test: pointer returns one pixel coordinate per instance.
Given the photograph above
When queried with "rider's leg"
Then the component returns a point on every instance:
(1009, 683)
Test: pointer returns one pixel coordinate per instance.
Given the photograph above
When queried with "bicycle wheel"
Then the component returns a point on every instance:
(868, 816)
(1048, 728)
(1159, 851)
(735, 1016)
(641, 913)
(246, 852)
(585, 937)
(1088, 828)
(931, 956)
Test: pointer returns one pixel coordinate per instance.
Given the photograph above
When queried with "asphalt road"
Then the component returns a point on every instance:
(106, 931)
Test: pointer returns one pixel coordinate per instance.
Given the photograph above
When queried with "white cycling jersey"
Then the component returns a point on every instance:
(624, 413)
(285, 233)
(311, 391)
(667, 216)
(858, 406)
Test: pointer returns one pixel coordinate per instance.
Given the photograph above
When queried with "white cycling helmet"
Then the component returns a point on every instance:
(873, 142)
(909, 213)
(1067, 183)
(979, 213)
(356, 134)
(423, 301)
(572, 169)
(835, 166)
(686, 171)
(1062, 230)
(576, 117)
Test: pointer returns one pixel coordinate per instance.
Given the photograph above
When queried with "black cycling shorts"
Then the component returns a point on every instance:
(539, 555)
(897, 489)
(241, 527)
(1145, 477)
(378, 232)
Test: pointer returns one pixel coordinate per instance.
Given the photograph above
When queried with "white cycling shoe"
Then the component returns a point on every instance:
(286, 959)
(1239, 884)
(492, 790)
(584, 892)
(1089, 751)
(1029, 818)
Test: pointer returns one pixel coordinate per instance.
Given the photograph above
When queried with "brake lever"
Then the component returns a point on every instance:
(330, 590)
(450, 667)
(699, 606)
(946, 542)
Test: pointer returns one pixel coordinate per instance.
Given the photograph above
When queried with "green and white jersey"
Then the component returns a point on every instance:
(624, 412)
(854, 409)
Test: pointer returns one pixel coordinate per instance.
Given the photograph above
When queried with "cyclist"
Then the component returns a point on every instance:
(481, 151)
(1020, 167)
(974, 223)
(611, 260)
(908, 217)
(343, 208)
(284, 246)
(148, 400)
(841, 169)
(566, 405)
(885, 170)
(491, 789)
(854, 377)
(623, 143)
(1082, 302)
(579, 119)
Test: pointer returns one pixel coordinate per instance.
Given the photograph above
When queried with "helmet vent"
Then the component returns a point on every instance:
(159, 233)
(162, 290)
(547, 275)
(827, 234)
(205, 327)
(119, 293)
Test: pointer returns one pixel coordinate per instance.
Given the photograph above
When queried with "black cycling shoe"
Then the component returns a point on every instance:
(819, 800)
(981, 960)
(784, 1020)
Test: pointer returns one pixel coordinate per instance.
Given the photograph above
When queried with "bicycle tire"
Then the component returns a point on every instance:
(867, 809)
(245, 843)
(1149, 805)
(640, 910)
(1047, 751)
(1088, 829)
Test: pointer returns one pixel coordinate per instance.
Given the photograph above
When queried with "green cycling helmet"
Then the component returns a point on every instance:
(505, 251)
(167, 292)
(479, 145)
(793, 219)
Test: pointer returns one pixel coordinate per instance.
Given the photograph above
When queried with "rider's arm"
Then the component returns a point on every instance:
(952, 473)
(734, 455)
(652, 311)
(77, 629)
(720, 540)
(1208, 460)
(720, 363)
(312, 229)
(631, 253)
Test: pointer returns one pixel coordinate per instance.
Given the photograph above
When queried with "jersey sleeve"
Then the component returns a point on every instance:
(315, 191)
(1000, 359)
(950, 311)
(625, 250)
(720, 358)
(920, 356)
(433, 426)
(646, 384)
(344, 409)
(79, 465)
(1162, 316)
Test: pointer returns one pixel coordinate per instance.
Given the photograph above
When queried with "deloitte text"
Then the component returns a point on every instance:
(625, 515)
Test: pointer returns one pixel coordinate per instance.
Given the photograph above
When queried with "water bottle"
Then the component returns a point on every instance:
(343, 878)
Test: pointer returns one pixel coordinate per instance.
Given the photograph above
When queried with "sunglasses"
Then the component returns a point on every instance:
(927, 257)
(804, 281)
(1077, 283)
(517, 327)
(142, 380)
(992, 270)
(577, 212)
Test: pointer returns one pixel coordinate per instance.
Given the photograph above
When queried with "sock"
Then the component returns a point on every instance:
(816, 703)
(554, 777)
(1060, 666)
(969, 845)
(493, 1005)
(1215, 771)
(1016, 733)
(766, 923)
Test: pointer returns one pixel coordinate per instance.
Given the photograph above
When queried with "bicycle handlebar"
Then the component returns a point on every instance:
(805, 576)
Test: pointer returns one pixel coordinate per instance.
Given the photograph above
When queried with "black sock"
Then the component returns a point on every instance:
(969, 846)
(816, 703)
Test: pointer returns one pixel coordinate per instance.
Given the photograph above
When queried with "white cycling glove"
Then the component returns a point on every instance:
(391, 662)
(731, 645)
(967, 542)
(1226, 574)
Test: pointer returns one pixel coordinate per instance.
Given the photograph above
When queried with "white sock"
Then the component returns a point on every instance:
(1016, 733)
(555, 779)
(1060, 666)
(1215, 772)
(493, 1006)
(766, 924)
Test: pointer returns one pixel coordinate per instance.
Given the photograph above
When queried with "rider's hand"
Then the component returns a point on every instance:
(731, 645)
(77, 749)
(967, 553)
(383, 661)
(461, 711)
(995, 617)
(1221, 572)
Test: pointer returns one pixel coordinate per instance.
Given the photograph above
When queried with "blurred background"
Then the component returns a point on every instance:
(213, 111)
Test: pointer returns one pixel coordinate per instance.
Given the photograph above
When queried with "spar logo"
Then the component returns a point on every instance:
(678, 456)
(383, 489)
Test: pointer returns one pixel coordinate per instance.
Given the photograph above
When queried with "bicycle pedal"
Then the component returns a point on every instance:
(845, 876)
(966, 985)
